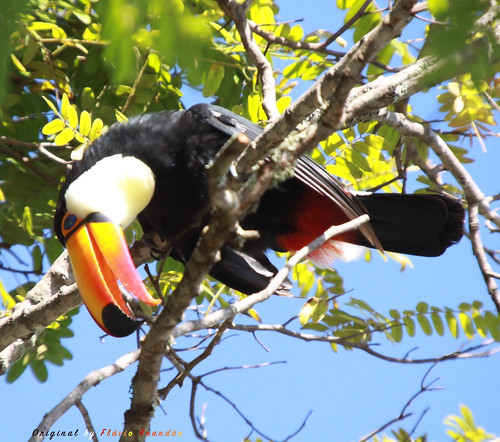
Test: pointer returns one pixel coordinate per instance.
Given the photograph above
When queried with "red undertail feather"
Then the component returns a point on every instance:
(314, 214)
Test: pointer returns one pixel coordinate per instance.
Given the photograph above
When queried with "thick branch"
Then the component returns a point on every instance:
(145, 382)
(222, 223)
(54, 295)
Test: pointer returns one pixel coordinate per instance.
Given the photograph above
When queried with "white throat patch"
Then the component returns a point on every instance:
(116, 186)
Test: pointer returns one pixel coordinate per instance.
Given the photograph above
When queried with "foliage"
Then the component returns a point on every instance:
(74, 68)
(46, 348)
(463, 428)
(470, 319)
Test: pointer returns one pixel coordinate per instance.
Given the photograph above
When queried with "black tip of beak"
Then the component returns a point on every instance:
(117, 323)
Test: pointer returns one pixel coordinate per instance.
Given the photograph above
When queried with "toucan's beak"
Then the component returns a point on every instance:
(101, 260)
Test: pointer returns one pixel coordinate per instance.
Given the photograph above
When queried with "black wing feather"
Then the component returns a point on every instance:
(306, 170)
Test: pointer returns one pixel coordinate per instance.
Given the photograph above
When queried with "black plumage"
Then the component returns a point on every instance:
(177, 146)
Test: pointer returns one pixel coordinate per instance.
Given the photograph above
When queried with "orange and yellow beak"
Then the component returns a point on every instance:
(101, 260)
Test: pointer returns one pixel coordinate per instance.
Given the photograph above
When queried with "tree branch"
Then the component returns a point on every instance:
(188, 367)
(237, 12)
(466, 353)
(403, 414)
(477, 201)
(333, 87)
(145, 382)
(245, 304)
(74, 397)
(54, 295)
(473, 194)
(479, 252)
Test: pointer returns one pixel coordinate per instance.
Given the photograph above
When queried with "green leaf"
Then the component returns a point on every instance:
(36, 255)
(53, 127)
(7, 300)
(409, 324)
(72, 116)
(16, 370)
(87, 99)
(467, 414)
(64, 137)
(480, 323)
(452, 323)
(40, 371)
(213, 80)
(296, 69)
(364, 25)
(397, 331)
(85, 123)
(53, 248)
(27, 220)
(155, 62)
(438, 323)
(65, 105)
(394, 314)
(422, 307)
(51, 105)
(424, 324)
(320, 311)
(42, 26)
(493, 322)
(307, 310)
(439, 8)
(95, 131)
(304, 277)
(82, 16)
(345, 4)
(467, 324)
(296, 33)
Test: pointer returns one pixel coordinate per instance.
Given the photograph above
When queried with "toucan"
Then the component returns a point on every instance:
(153, 168)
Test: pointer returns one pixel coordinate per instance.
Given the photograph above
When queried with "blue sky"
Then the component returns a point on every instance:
(349, 393)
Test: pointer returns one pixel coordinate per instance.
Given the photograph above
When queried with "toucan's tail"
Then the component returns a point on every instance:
(417, 224)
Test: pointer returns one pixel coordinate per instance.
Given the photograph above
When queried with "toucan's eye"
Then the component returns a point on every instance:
(69, 221)
(70, 224)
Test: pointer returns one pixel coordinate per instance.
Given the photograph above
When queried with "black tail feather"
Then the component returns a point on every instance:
(417, 224)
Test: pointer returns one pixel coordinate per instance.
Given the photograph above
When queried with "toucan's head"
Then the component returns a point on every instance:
(102, 196)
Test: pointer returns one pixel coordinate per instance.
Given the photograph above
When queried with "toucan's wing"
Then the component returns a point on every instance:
(317, 178)
(306, 170)
(225, 121)
(246, 272)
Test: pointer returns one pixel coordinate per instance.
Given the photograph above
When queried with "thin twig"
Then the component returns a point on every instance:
(237, 12)
(86, 418)
(466, 353)
(403, 414)
(479, 252)
(188, 367)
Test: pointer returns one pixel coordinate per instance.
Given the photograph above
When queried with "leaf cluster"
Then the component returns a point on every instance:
(358, 322)
(47, 347)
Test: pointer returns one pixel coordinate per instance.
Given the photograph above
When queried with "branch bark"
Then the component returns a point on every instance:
(91, 380)
(237, 12)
